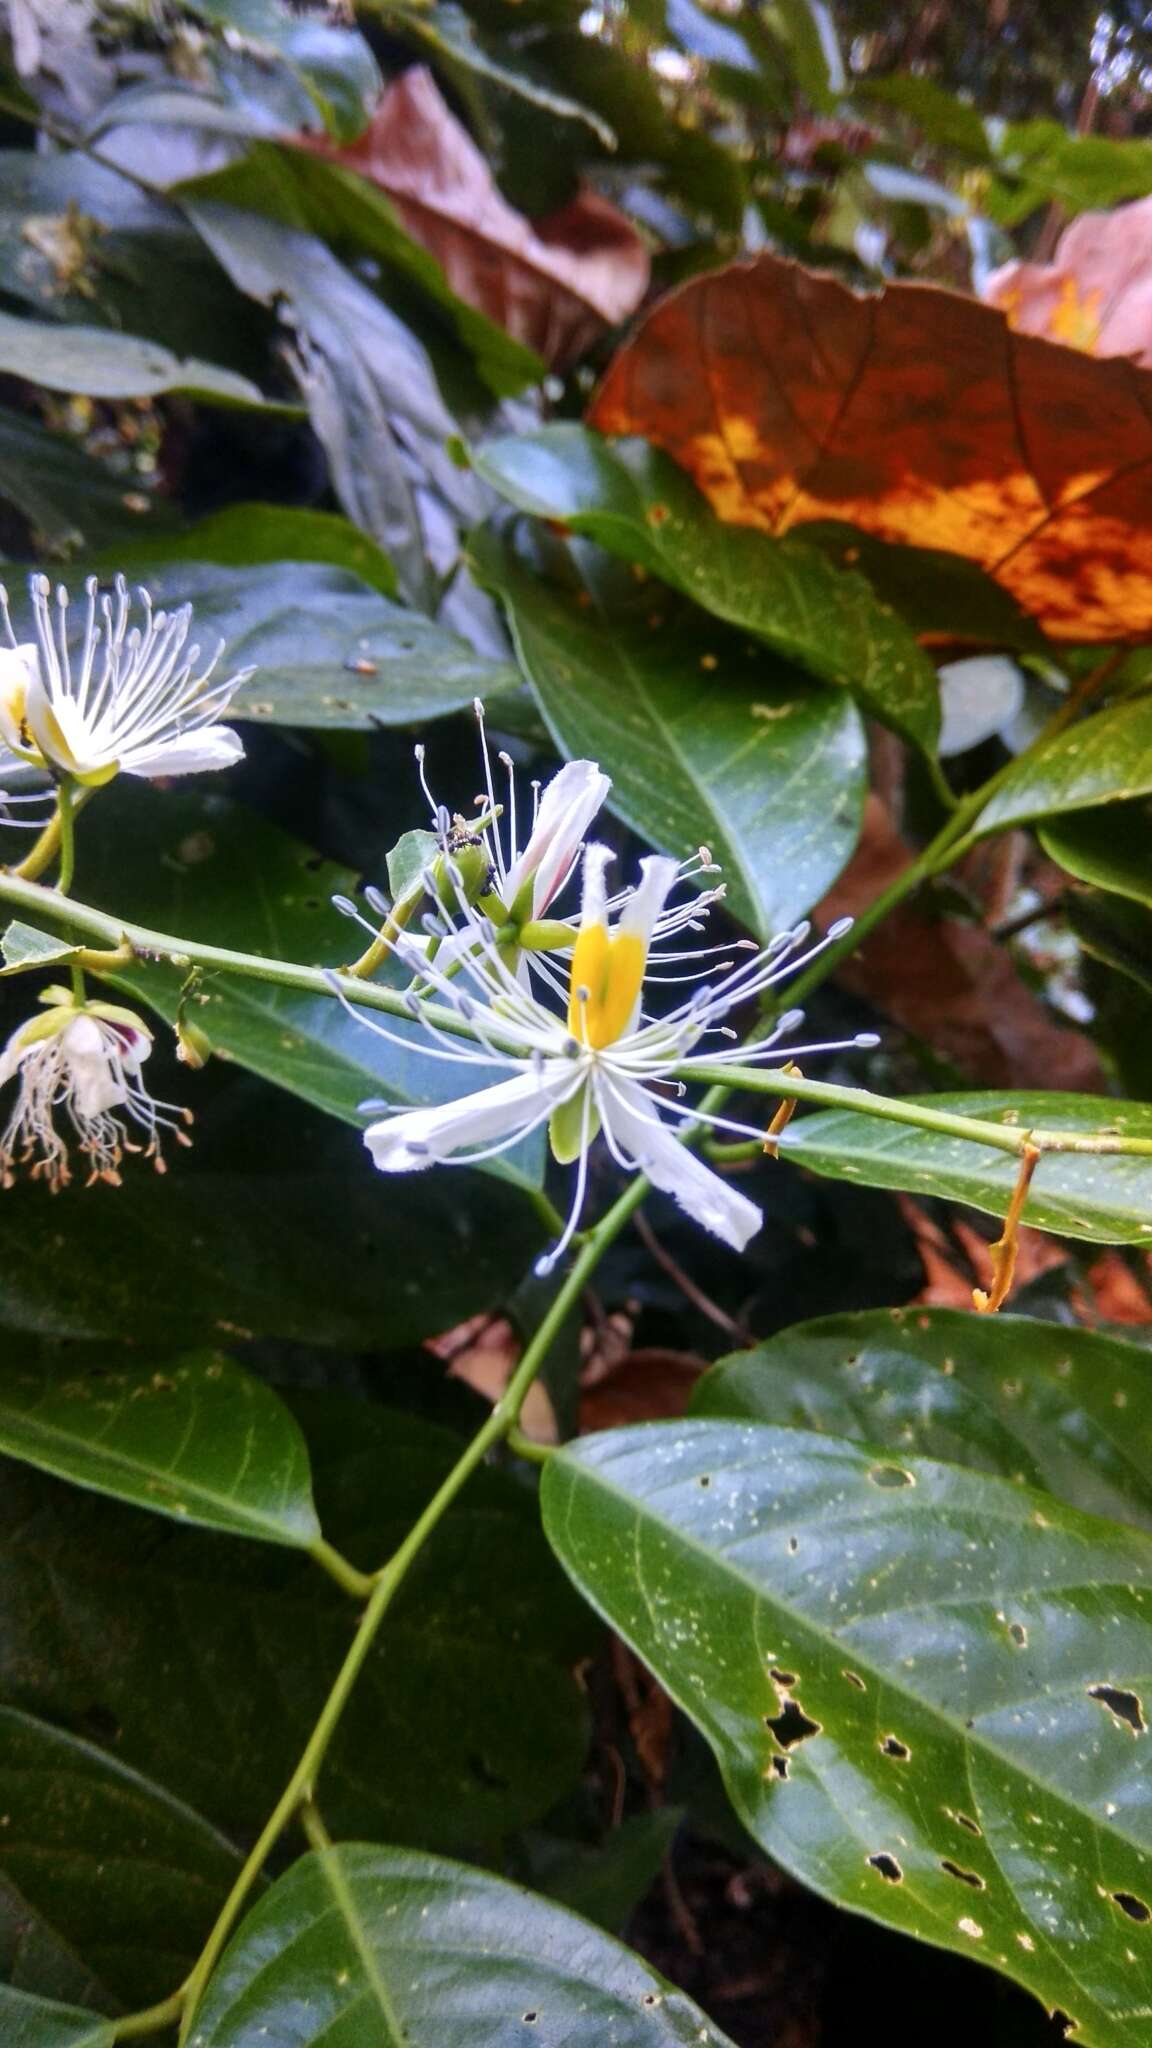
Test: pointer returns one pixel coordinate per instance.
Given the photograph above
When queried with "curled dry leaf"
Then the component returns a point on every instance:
(554, 285)
(1096, 294)
(913, 414)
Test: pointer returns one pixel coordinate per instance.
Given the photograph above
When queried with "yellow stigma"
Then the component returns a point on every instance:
(606, 976)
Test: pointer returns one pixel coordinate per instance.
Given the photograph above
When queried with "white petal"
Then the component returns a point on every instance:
(17, 667)
(567, 808)
(421, 1137)
(647, 899)
(633, 1119)
(212, 746)
(95, 1087)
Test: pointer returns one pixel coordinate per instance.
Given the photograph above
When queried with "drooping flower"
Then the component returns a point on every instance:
(81, 1062)
(134, 700)
(594, 1060)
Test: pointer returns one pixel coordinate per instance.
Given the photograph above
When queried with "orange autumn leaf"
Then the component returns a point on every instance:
(914, 414)
(553, 284)
(1096, 294)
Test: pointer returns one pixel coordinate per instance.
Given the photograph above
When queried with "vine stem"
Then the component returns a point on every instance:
(297, 1794)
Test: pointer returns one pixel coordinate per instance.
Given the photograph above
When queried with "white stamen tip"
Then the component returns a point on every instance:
(842, 925)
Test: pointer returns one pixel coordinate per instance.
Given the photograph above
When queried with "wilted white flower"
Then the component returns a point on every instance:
(81, 1062)
(602, 1062)
(132, 702)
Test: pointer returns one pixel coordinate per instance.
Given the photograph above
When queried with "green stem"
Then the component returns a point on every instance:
(528, 1448)
(66, 812)
(152, 2020)
(44, 850)
(358, 1583)
(504, 1417)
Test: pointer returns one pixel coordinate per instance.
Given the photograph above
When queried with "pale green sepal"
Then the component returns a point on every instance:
(547, 935)
(572, 1127)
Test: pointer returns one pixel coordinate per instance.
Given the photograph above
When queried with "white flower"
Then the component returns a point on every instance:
(133, 702)
(85, 1061)
(603, 1063)
(561, 815)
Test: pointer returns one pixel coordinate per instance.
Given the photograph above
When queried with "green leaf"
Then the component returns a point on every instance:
(327, 650)
(108, 1886)
(1106, 1199)
(194, 1437)
(939, 114)
(66, 495)
(1077, 170)
(1101, 760)
(273, 1227)
(446, 30)
(922, 1684)
(605, 1881)
(79, 242)
(373, 397)
(102, 364)
(1111, 849)
(1114, 929)
(810, 33)
(23, 946)
(245, 535)
(1052, 1406)
(633, 500)
(406, 1949)
(30, 2022)
(707, 740)
(206, 1662)
(334, 65)
(208, 869)
(302, 190)
(409, 860)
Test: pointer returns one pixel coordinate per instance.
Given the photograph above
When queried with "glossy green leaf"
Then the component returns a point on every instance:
(940, 115)
(205, 1662)
(1101, 760)
(367, 1944)
(103, 364)
(922, 1683)
(78, 242)
(303, 190)
(198, 865)
(708, 740)
(30, 2022)
(193, 1436)
(23, 946)
(332, 63)
(108, 1885)
(1111, 849)
(374, 400)
(633, 500)
(1054, 1406)
(1104, 1198)
(247, 534)
(327, 650)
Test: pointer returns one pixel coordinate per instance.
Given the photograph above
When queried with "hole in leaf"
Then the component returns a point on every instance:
(792, 1725)
(965, 1821)
(650, 1998)
(779, 1764)
(887, 1866)
(890, 1476)
(793, 1544)
(530, 2018)
(892, 1746)
(1019, 1634)
(1061, 2019)
(1123, 1706)
(1134, 1907)
(965, 1876)
(705, 1479)
(784, 1678)
(853, 1679)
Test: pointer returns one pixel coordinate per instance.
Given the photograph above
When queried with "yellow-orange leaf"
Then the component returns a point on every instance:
(913, 414)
